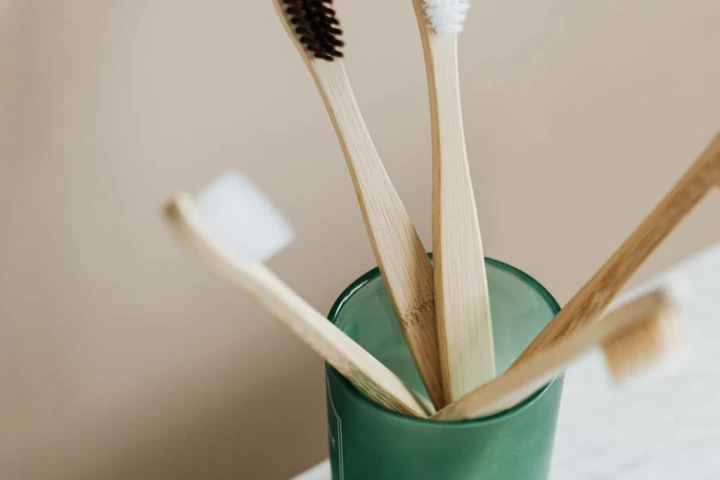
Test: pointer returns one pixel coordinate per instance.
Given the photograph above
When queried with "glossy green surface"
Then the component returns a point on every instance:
(368, 442)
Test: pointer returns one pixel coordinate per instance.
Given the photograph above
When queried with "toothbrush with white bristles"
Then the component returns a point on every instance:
(234, 228)
(314, 29)
(465, 338)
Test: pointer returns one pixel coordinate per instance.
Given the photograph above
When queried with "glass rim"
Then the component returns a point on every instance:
(374, 273)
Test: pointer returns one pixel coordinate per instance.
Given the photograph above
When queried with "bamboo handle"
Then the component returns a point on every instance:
(467, 356)
(401, 257)
(403, 261)
(329, 342)
(592, 299)
(465, 338)
(517, 384)
(332, 344)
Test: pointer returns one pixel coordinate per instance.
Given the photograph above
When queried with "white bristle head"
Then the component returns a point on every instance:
(447, 16)
(242, 218)
(653, 348)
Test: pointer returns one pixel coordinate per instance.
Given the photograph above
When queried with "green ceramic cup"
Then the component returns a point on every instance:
(369, 442)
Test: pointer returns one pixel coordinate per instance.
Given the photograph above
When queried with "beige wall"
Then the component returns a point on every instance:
(122, 358)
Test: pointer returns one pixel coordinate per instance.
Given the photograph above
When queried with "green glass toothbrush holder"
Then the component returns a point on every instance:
(369, 442)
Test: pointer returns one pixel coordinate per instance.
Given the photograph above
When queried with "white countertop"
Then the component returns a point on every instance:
(662, 428)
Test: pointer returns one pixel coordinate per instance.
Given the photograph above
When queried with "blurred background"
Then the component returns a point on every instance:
(122, 357)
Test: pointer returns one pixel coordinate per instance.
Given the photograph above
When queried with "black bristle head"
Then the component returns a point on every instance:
(315, 25)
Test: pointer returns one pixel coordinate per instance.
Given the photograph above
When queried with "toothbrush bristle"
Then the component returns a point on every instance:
(242, 218)
(316, 27)
(447, 16)
(651, 349)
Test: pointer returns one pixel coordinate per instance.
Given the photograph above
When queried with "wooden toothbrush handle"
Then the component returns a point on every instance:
(465, 339)
(367, 373)
(362, 369)
(465, 334)
(403, 261)
(517, 384)
(592, 299)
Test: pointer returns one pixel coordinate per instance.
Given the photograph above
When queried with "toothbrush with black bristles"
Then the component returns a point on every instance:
(465, 338)
(405, 267)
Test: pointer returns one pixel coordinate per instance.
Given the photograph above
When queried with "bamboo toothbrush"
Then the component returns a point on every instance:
(467, 356)
(233, 228)
(592, 299)
(403, 262)
(642, 335)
